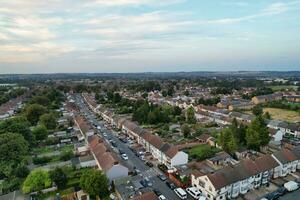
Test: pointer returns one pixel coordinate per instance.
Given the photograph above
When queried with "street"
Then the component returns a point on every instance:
(133, 160)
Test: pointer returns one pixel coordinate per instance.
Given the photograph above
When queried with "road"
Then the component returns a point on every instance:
(133, 160)
(291, 196)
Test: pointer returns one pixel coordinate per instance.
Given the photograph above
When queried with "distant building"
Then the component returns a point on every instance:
(267, 98)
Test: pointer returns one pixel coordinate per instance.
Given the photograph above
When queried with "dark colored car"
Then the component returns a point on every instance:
(121, 151)
(170, 185)
(149, 164)
(281, 191)
(272, 196)
(157, 192)
(144, 183)
(162, 177)
(114, 144)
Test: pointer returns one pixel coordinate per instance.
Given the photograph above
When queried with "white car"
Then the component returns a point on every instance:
(194, 192)
(180, 193)
(124, 156)
(162, 197)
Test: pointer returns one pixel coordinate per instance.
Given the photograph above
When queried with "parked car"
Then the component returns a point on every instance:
(157, 192)
(282, 191)
(114, 144)
(170, 185)
(272, 196)
(162, 177)
(149, 164)
(121, 151)
(194, 192)
(146, 182)
(180, 193)
(162, 197)
(291, 186)
(124, 156)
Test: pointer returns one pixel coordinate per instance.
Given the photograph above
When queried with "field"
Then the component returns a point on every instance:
(282, 114)
(283, 87)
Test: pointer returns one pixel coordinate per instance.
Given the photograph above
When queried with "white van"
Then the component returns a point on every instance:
(291, 186)
(180, 193)
(194, 192)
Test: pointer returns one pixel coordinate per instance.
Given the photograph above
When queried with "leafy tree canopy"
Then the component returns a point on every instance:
(94, 182)
(36, 181)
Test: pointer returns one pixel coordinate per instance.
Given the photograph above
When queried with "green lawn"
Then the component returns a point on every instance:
(203, 152)
(283, 87)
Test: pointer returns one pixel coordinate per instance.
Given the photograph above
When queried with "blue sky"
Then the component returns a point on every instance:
(53, 36)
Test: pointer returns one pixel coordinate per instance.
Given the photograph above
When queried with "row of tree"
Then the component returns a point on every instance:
(18, 134)
(152, 114)
(254, 136)
(92, 181)
(5, 96)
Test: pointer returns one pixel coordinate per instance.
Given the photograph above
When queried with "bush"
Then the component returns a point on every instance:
(67, 155)
(41, 160)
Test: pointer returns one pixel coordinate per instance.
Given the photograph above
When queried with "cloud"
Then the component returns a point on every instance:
(270, 10)
(132, 2)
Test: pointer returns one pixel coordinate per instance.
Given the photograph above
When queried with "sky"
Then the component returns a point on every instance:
(73, 36)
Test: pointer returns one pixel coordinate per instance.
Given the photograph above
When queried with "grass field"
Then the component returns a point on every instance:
(281, 114)
(283, 87)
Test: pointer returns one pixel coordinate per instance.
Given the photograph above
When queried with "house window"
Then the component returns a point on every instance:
(210, 189)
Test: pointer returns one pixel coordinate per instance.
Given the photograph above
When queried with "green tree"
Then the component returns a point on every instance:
(177, 110)
(228, 141)
(40, 132)
(257, 134)
(267, 115)
(59, 177)
(33, 113)
(36, 181)
(41, 100)
(263, 132)
(185, 129)
(94, 182)
(164, 93)
(257, 110)
(49, 120)
(145, 95)
(190, 115)
(13, 147)
(17, 125)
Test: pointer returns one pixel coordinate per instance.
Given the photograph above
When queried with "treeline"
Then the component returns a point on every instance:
(8, 94)
(283, 104)
(152, 114)
(209, 102)
(254, 136)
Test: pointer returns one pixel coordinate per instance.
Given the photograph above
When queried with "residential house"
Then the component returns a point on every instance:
(105, 159)
(207, 139)
(267, 98)
(287, 160)
(293, 98)
(231, 181)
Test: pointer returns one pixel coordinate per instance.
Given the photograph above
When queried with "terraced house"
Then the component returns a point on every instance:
(231, 181)
(163, 152)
